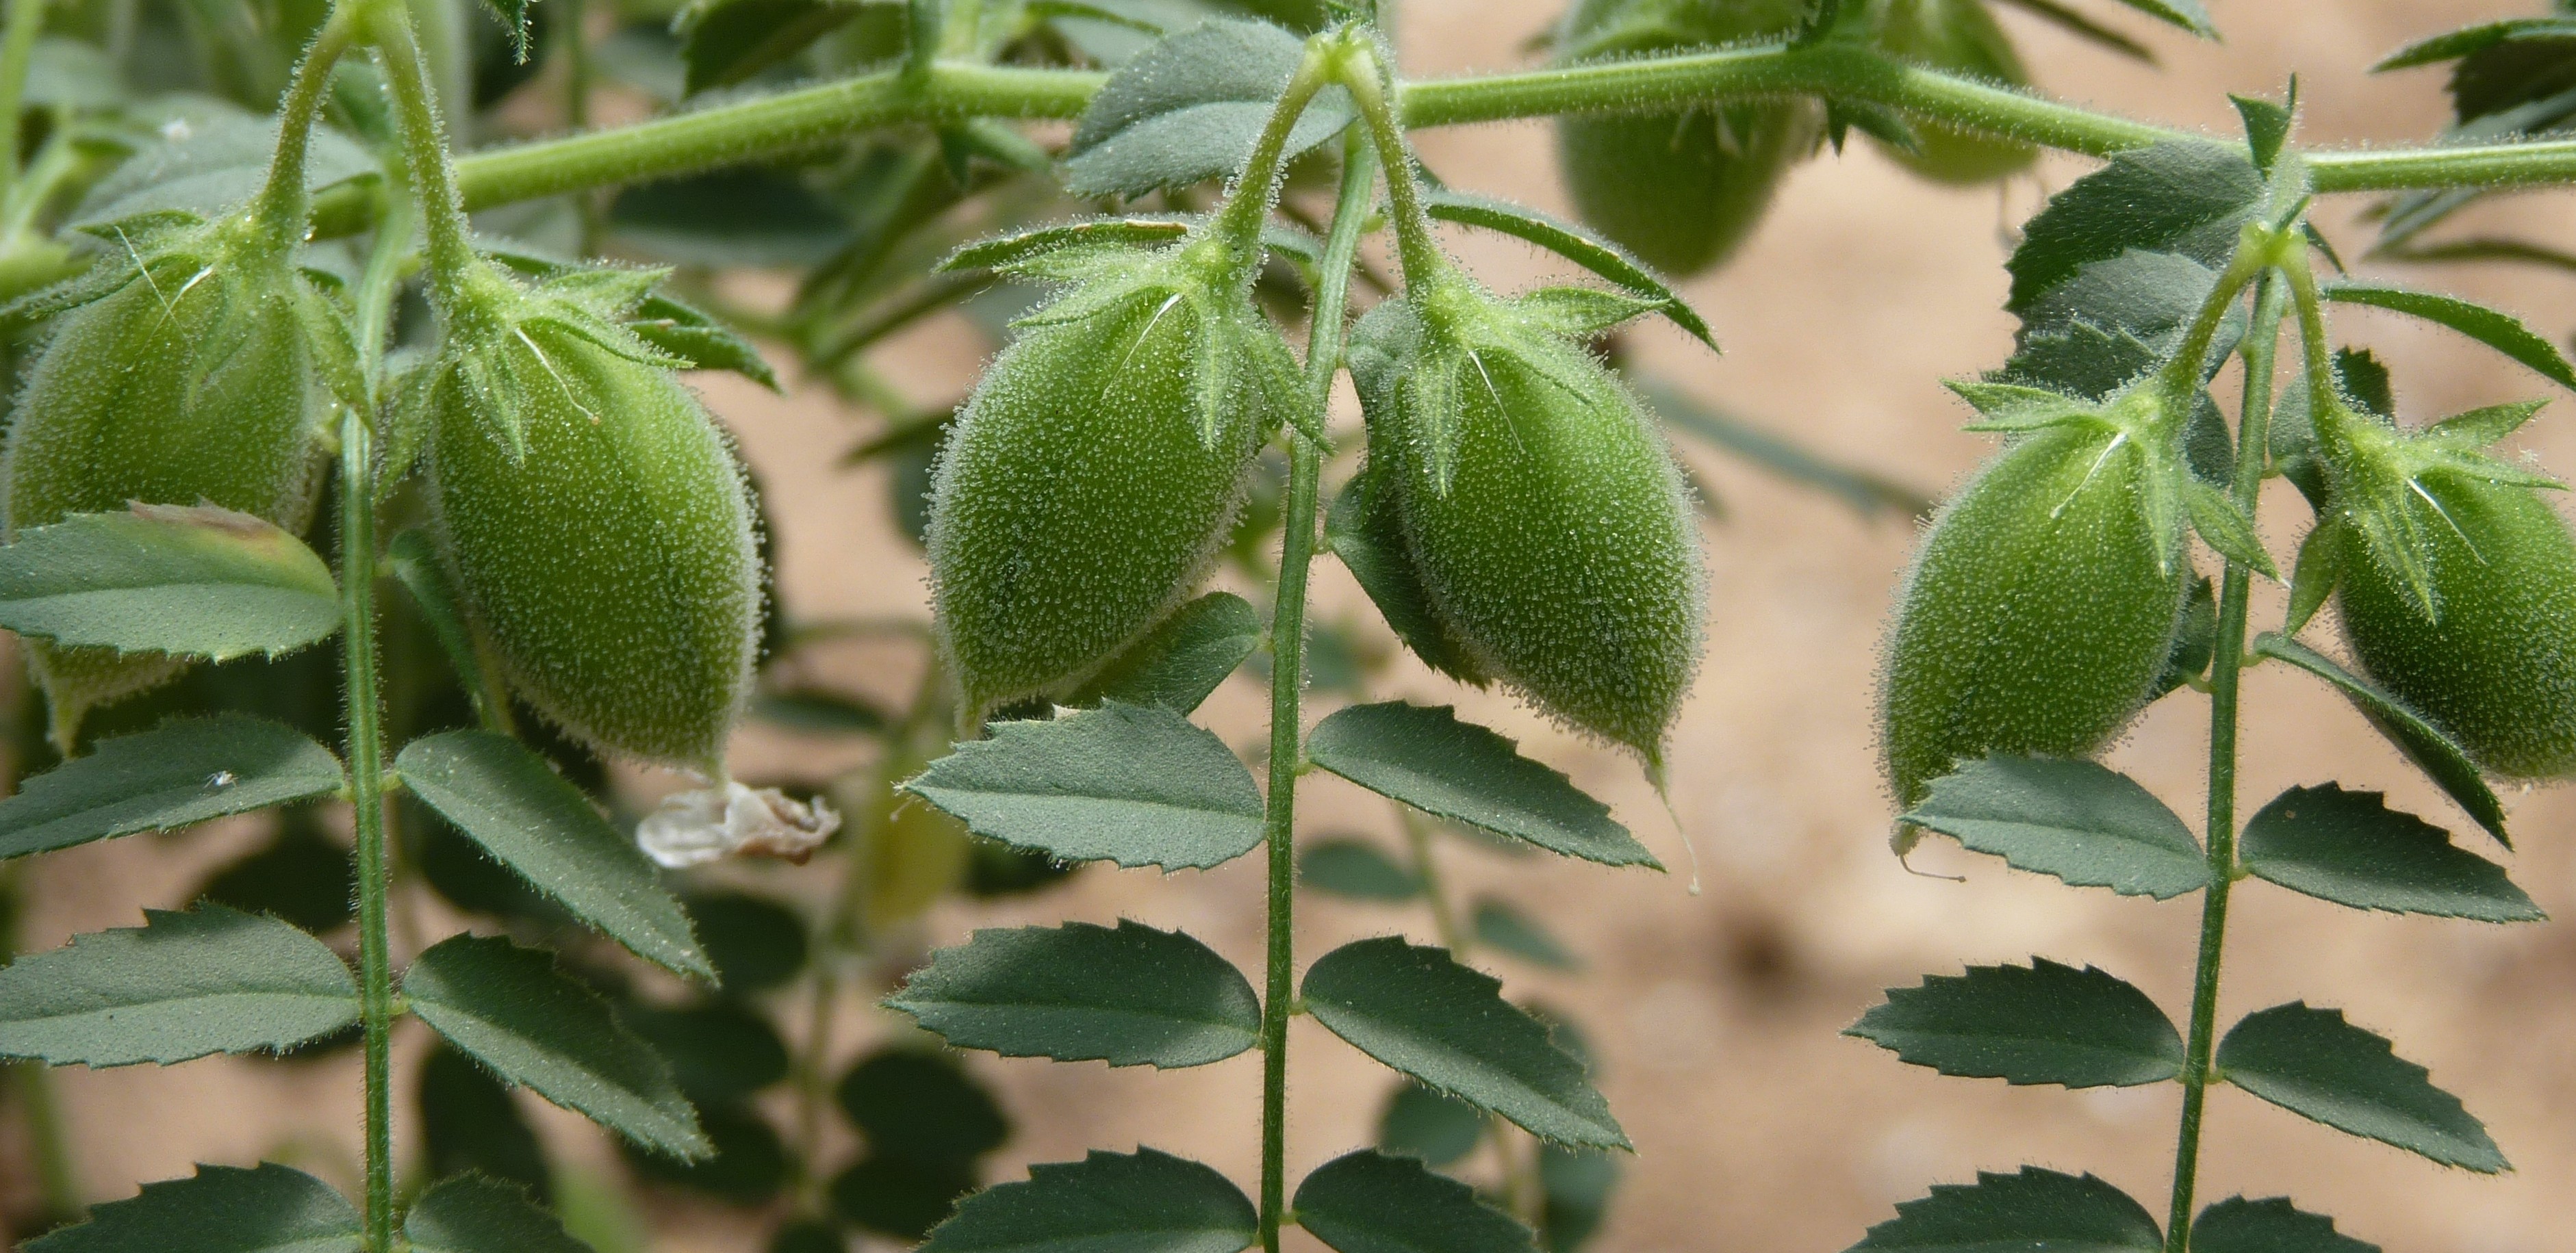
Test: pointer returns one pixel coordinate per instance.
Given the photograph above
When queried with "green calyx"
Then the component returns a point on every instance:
(1545, 519)
(593, 515)
(2379, 484)
(1098, 464)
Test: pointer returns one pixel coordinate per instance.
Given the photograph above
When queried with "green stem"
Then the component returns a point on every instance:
(366, 792)
(1247, 203)
(56, 161)
(26, 21)
(795, 121)
(2226, 670)
(1426, 871)
(1416, 250)
(387, 260)
(573, 22)
(1287, 686)
(425, 162)
(285, 200)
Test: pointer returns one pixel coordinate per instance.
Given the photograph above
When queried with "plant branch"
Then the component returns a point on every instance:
(1288, 680)
(424, 143)
(366, 791)
(791, 122)
(2226, 671)
(284, 201)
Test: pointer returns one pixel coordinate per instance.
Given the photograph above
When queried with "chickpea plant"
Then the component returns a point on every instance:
(581, 548)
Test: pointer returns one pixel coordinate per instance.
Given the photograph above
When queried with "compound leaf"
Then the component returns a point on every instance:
(509, 1008)
(694, 336)
(1356, 869)
(2500, 331)
(1135, 784)
(2428, 746)
(2352, 849)
(194, 580)
(1181, 660)
(2185, 196)
(1368, 1202)
(181, 986)
(921, 1106)
(2080, 821)
(1192, 108)
(1430, 760)
(2187, 14)
(506, 799)
(2313, 1063)
(1573, 243)
(1147, 1202)
(472, 1214)
(182, 772)
(1501, 927)
(1132, 996)
(2041, 1023)
(221, 1209)
(2237, 1225)
(1417, 1010)
(2017, 1213)
(1005, 251)
(1437, 1128)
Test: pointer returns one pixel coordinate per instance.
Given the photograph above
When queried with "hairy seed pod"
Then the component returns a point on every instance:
(2495, 662)
(1681, 190)
(596, 521)
(1094, 471)
(185, 376)
(1548, 521)
(1956, 37)
(2039, 611)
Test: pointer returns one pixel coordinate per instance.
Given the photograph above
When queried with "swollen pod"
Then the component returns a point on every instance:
(1680, 190)
(182, 374)
(596, 522)
(1093, 472)
(1549, 524)
(1956, 37)
(2475, 625)
(2039, 611)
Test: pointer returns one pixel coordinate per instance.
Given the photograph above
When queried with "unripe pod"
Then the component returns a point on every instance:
(187, 377)
(1956, 37)
(2039, 611)
(2492, 657)
(1093, 473)
(1549, 523)
(596, 521)
(1681, 190)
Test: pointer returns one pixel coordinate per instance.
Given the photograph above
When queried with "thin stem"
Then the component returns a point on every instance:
(1287, 687)
(366, 792)
(794, 121)
(57, 160)
(387, 261)
(1415, 249)
(285, 201)
(26, 21)
(2226, 670)
(573, 22)
(433, 179)
(1426, 872)
(1247, 205)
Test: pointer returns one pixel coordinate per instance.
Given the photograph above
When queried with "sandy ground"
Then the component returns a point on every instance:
(1716, 1016)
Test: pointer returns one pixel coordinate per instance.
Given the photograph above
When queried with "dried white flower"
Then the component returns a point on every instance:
(709, 824)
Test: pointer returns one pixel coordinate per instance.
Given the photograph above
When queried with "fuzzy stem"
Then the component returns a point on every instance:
(796, 121)
(284, 201)
(2226, 670)
(1247, 205)
(1364, 75)
(26, 21)
(366, 793)
(1287, 686)
(433, 178)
